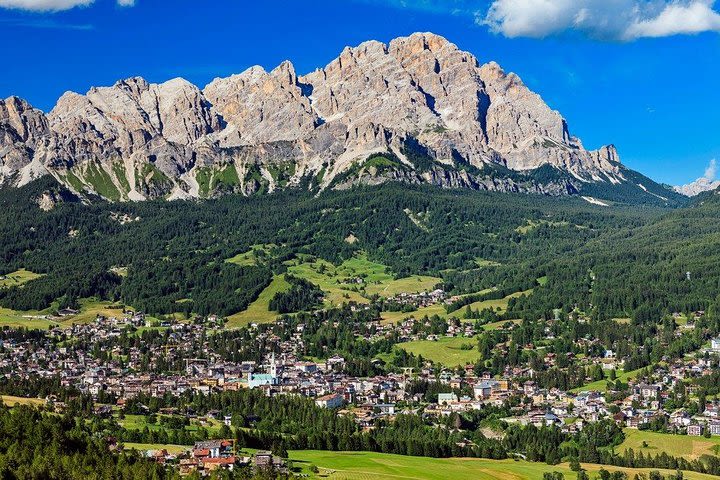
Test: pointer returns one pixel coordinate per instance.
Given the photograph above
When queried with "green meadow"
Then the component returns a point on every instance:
(259, 310)
(675, 445)
(450, 351)
(17, 278)
(371, 466)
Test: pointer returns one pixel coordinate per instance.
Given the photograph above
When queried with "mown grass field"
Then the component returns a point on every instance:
(14, 319)
(675, 445)
(18, 277)
(446, 350)
(259, 310)
(139, 422)
(90, 308)
(11, 401)
(142, 447)
(371, 466)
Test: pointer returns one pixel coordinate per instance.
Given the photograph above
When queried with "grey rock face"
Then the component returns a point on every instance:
(259, 131)
(24, 135)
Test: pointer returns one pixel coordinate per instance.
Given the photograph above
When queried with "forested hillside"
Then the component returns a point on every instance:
(166, 257)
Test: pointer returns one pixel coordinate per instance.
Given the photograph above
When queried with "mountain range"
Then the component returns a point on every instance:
(416, 110)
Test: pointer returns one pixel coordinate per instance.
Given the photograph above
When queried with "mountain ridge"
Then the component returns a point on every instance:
(426, 111)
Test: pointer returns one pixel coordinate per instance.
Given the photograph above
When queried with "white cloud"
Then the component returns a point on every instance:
(53, 5)
(678, 19)
(711, 171)
(44, 5)
(604, 19)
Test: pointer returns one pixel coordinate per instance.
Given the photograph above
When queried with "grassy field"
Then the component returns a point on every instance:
(326, 276)
(447, 350)
(142, 447)
(14, 319)
(371, 466)
(11, 401)
(499, 305)
(258, 311)
(675, 445)
(250, 257)
(139, 422)
(18, 277)
(340, 283)
(497, 325)
(393, 317)
(439, 309)
(90, 308)
(601, 385)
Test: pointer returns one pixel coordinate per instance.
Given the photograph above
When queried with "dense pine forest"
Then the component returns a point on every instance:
(618, 261)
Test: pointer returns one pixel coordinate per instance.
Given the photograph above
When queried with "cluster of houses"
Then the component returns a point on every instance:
(211, 455)
(127, 372)
(419, 299)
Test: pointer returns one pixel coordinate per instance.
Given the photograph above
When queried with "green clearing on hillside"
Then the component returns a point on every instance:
(11, 401)
(259, 310)
(394, 317)
(337, 288)
(143, 447)
(357, 278)
(370, 466)
(139, 422)
(601, 385)
(498, 325)
(249, 258)
(675, 445)
(90, 308)
(446, 350)
(31, 319)
(17, 278)
(13, 319)
(499, 305)
(352, 281)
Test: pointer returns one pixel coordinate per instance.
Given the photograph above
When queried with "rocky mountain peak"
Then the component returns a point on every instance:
(437, 114)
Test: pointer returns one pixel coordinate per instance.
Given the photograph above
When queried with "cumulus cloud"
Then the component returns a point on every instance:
(44, 5)
(53, 5)
(605, 19)
(676, 19)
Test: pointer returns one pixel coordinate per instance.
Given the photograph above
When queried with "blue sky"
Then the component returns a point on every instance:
(642, 74)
